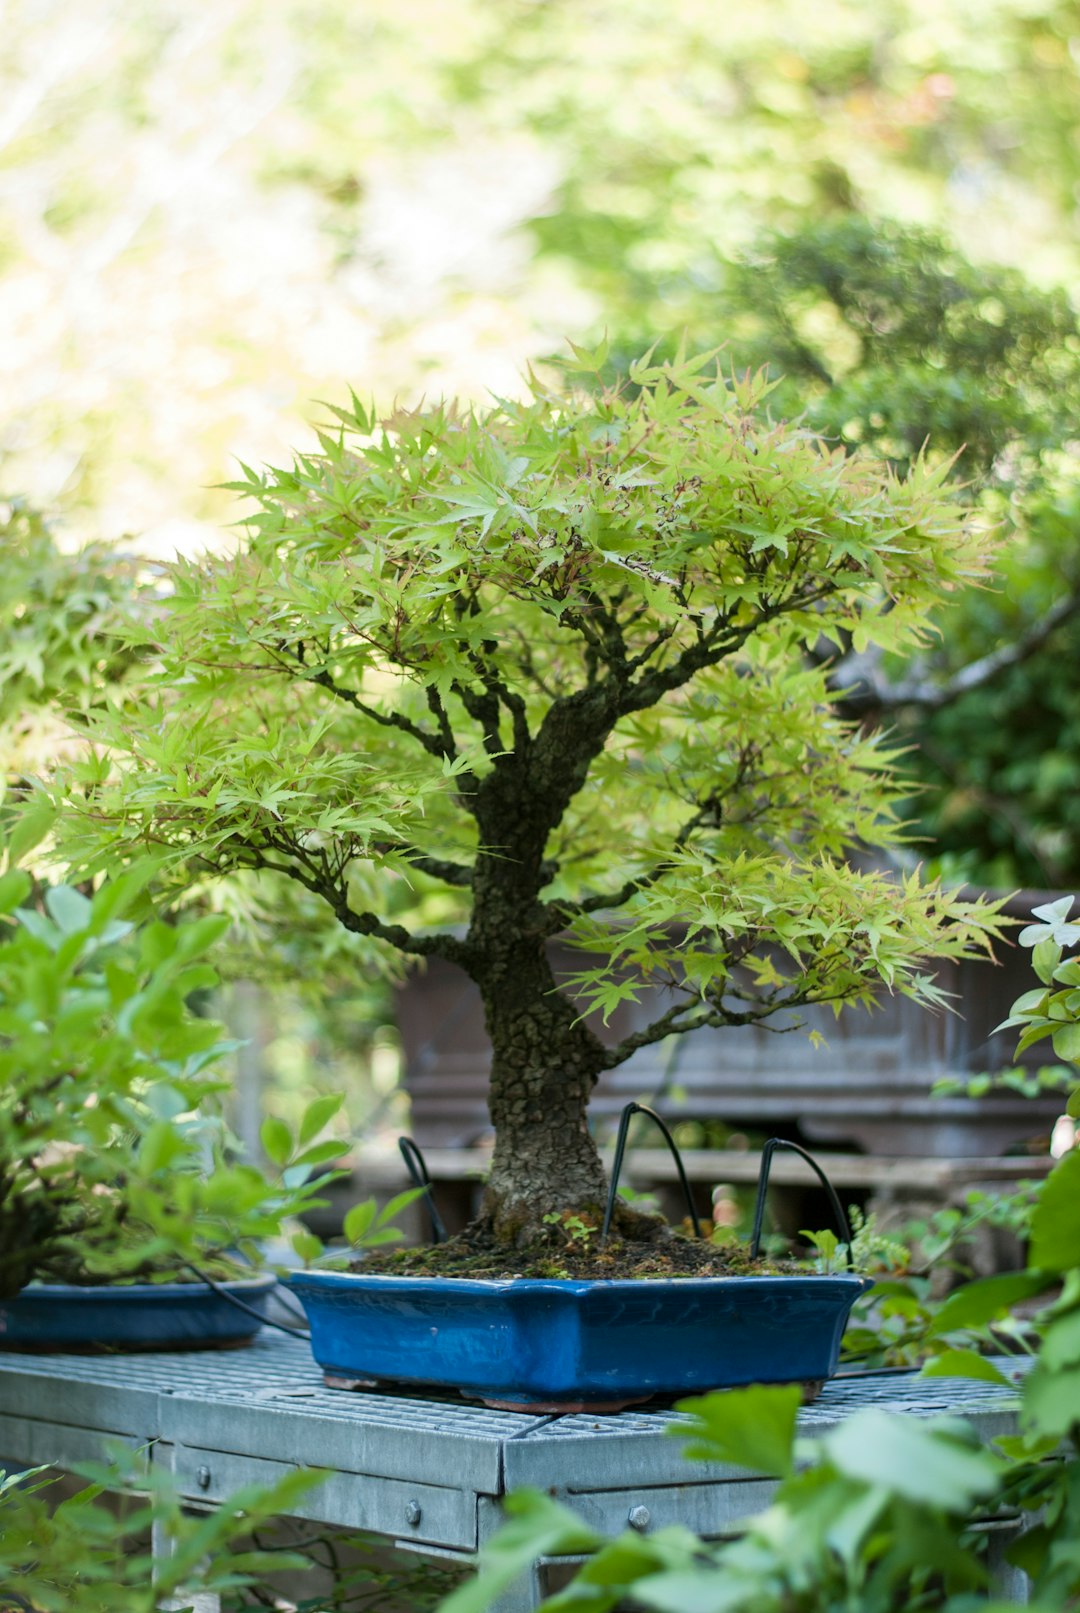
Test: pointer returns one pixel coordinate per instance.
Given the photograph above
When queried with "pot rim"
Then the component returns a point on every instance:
(100, 1293)
(569, 1285)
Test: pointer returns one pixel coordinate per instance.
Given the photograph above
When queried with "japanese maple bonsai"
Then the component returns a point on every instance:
(546, 666)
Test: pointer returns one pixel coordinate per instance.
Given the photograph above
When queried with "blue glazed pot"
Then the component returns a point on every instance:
(136, 1316)
(546, 1344)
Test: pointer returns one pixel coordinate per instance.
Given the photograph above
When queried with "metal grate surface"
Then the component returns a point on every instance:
(268, 1403)
(280, 1371)
(889, 1391)
(275, 1374)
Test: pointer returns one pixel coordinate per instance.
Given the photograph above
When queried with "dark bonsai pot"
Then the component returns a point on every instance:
(564, 1345)
(133, 1316)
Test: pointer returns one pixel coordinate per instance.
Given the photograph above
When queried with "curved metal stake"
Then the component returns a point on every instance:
(763, 1186)
(616, 1169)
(414, 1164)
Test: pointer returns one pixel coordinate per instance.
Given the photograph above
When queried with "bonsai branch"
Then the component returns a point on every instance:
(711, 646)
(515, 705)
(434, 744)
(500, 691)
(439, 712)
(439, 744)
(483, 707)
(869, 691)
(439, 944)
(605, 637)
(450, 873)
(692, 1016)
(677, 1022)
(655, 644)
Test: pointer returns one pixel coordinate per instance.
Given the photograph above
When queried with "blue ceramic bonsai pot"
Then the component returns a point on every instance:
(564, 1345)
(133, 1316)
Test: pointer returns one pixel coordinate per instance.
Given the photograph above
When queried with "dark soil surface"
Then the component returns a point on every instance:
(472, 1253)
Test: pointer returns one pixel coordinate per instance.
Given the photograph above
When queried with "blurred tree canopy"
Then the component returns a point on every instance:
(885, 336)
(211, 216)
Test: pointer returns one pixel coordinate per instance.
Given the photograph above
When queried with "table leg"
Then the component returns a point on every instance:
(162, 1547)
(527, 1592)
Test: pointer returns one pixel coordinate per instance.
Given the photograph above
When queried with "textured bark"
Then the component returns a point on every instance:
(545, 1063)
(544, 1067)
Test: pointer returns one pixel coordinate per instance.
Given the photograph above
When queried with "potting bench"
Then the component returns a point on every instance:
(420, 1472)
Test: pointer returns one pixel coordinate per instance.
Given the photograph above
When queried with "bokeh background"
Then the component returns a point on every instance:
(211, 215)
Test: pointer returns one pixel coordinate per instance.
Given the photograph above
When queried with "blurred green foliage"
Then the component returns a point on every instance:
(208, 218)
(61, 649)
(114, 1160)
(59, 1553)
(59, 615)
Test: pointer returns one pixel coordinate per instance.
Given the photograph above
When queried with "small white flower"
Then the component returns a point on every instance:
(1053, 927)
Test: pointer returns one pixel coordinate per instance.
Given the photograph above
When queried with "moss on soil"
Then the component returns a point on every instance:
(219, 1268)
(473, 1253)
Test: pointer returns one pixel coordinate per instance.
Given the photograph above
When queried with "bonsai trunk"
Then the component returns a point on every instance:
(545, 1060)
(544, 1066)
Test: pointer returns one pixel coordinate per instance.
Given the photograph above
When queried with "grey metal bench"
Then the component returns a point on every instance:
(416, 1471)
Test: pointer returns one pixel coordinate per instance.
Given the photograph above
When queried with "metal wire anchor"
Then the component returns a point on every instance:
(616, 1169)
(418, 1171)
(763, 1185)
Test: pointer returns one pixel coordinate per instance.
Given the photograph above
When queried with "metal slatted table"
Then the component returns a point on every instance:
(416, 1470)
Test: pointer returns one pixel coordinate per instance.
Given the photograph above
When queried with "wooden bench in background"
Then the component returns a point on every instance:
(869, 1087)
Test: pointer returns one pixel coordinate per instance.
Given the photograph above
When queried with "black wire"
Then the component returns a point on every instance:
(628, 1113)
(282, 1293)
(763, 1183)
(416, 1166)
(242, 1305)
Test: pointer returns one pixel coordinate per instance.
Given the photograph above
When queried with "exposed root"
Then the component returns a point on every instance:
(519, 1225)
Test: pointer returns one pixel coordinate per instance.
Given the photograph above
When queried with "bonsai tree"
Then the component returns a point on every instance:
(550, 660)
(114, 1160)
